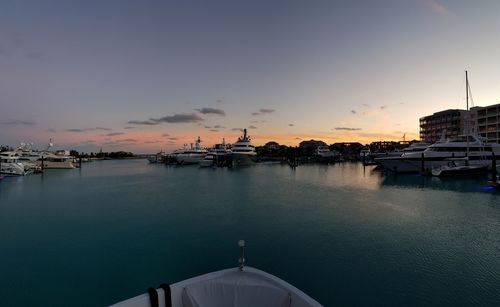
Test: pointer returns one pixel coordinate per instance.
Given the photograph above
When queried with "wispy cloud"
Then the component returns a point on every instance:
(151, 142)
(50, 130)
(142, 122)
(87, 129)
(237, 129)
(291, 125)
(219, 127)
(176, 118)
(347, 128)
(252, 127)
(173, 139)
(214, 130)
(113, 134)
(365, 105)
(129, 127)
(212, 111)
(17, 122)
(263, 111)
(353, 111)
(436, 7)
(383, 107)
(165, 134)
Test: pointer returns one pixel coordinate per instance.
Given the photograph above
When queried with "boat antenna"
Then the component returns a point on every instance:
(241, 244)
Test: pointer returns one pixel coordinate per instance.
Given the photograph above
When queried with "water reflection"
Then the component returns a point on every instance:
(469, 184)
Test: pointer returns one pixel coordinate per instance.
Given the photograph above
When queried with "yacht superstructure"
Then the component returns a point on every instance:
(192, 155)
(243, 152)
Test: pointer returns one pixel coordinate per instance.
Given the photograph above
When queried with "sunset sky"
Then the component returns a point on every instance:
(150, 75)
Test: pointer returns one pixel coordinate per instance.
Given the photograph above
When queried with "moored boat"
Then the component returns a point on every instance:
(193, 155)
(454, 169)
(243, 152)
(10, 165)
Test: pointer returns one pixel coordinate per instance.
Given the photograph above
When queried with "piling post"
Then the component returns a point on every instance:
(422, 162)
(43, 163)
(493, 167)
(80, 161)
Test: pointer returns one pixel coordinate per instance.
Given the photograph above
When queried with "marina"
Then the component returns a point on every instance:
(318, 227)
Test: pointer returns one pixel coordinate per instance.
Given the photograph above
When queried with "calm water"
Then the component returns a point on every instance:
(344, 234)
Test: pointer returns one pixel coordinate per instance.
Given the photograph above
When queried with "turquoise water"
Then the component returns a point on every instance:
(344, 234)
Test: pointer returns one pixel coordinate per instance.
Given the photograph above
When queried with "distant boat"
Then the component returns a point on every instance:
(193, 155)
(242, 286)
(243, 152)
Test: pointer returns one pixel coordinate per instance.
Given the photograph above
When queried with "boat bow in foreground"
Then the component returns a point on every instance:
(237, 287)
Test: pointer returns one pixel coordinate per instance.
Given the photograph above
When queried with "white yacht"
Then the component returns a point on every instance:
(61, 159)
(241, 286)
(243, 152)
(440, 153)
(10, 165)
(193, 155)
(415, 147)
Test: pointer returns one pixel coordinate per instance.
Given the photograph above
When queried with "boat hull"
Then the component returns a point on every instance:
(234, 284)
(241, 159)
(47, 164)
(413, 165)
(12, 169)
(185, 159)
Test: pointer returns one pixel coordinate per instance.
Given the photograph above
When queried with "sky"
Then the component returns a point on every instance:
(145, 76)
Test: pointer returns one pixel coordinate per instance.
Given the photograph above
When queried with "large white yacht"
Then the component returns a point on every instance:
(438, 154)
(243, 152)
(192, 155)
(10, 165)
(241, 286)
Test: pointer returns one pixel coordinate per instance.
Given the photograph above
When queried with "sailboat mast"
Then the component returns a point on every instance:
(467, 90)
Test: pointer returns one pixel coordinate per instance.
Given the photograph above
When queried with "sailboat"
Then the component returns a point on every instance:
(454, 166)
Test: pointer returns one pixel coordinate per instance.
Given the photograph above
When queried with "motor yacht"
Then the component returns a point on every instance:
(439, 154)
(10, 165)
(60, 159)
(243, 152)
(192, 155)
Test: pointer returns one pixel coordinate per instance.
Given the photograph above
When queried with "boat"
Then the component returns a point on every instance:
(324, 154)
(240, 286)
(454, 169)
(60, 159)
(414, 147)
(10, 165)
(440, 153)
(243, 152)
(192, 155)
(157, 158)
(437, 156)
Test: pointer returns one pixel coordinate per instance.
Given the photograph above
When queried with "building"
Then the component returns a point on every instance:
(272, 146)
(451, 121)
(487, 122)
